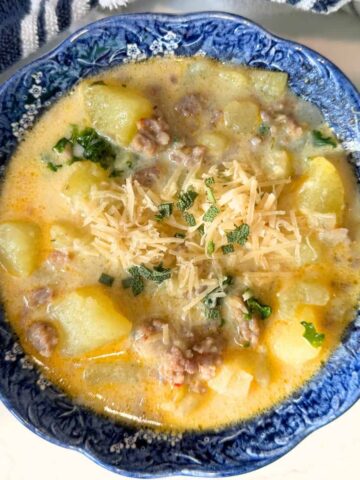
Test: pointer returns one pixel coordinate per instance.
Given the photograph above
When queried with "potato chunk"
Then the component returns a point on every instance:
(114, 111)
(301, 292)
(242, 116)
(63, 235)
(215, 142)
(232, 380)
(322, 190)
(269, 85)
(285, 338)
(234, 79)
(277, 164)
(19, 247)
(89, 320)
(85, 175)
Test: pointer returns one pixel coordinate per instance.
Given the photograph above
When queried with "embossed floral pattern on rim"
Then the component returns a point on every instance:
(144, 452)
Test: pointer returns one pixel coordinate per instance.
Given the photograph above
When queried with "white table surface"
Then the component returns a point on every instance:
(331, 452)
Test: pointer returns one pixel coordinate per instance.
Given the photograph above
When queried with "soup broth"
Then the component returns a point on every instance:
(179, 242)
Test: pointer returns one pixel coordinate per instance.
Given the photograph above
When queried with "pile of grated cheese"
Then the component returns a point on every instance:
(125, 232)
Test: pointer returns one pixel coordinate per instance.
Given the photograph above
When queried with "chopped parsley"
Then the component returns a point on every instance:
(212, 301)
(226, 249)
(165, 210)
(61, 144)
(320, 140)
(258, 309)
(53, 166)
(239, 234)
(264, 129)
(179, 235)
(186, 200)
(189, 219)
(106, 279)
(96, 148)
(211, 213)
(315, 338)
(210, 248)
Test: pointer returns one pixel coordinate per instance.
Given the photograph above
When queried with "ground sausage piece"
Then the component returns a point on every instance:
(43, 336)
(188, 155)
(189, 105)
(248, 331)
(147, 176)
(152, 134)
(39, 296)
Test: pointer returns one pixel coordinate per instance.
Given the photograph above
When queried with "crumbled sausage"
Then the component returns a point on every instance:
(152, 134)
(248, 332)
(147, 176)
(188, 155)
(43, 336)
(57, 258)
(38, 296)
(189, 105)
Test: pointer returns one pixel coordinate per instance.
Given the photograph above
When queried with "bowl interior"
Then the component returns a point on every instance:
(144, 452)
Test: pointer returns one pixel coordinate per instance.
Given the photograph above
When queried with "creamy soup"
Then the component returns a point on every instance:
(179, 242)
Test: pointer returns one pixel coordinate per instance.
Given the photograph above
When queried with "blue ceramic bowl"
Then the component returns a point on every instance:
(142, 452)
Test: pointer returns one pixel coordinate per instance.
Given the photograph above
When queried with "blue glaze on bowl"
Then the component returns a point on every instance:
(142, 452)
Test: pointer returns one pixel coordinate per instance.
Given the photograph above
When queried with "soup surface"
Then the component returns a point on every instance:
(180, 242)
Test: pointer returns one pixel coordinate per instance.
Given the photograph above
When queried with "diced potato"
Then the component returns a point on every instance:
(301, 292)
(215, 142)
(63, 234)
(269, 85)
(234, 79)
(277, 164)
(19, 247)
(232, 380)
(310, 250)
(322, 189)
(181, 402)
(242, 116)
(285, 338)
(85, 175)
(89, 320)
(114, 111)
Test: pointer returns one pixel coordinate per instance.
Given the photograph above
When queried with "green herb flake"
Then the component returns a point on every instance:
(98, 82)
(201, 229)
(226, 249)
(264, 130)
(186, 200)
(211, 214)
(96, 148)
(255, 307)
(210, 248)
(209, 181)
(210, 195)
(179, 235)
(106, 279)
(61, 144)
(239, 234)
(116, 173)
(320, 140)
(135, 282)
(189, 219)
(158, 274)
(212, 314)
(165, 210)
(53, 167)
(315, 338)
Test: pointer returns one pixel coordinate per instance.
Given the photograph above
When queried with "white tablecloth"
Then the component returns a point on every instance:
(328, 454)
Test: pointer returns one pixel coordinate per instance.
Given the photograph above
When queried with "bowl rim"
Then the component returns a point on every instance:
(169, 470)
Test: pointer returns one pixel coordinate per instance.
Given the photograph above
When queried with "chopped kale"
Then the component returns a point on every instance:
(315, 338)
(257, 308)
(320, 140)
(264, 129)
(61, 144)
(53, 166)
(96, 148)
(135, 282)
(209, 181)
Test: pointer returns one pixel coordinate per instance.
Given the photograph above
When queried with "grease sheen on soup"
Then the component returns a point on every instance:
(180, 242)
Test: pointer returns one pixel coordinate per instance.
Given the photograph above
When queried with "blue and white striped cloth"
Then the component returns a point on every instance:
(25, 25)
